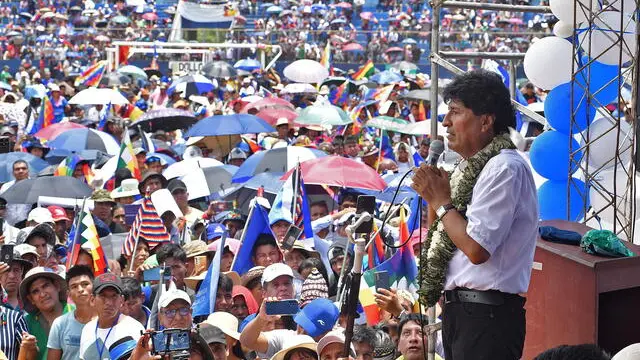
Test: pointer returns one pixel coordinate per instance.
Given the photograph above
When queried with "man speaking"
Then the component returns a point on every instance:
(479, 249)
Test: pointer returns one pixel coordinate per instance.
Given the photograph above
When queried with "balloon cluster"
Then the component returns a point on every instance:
(549, 64)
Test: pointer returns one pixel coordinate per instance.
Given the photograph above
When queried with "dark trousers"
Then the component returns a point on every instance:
(473, 331)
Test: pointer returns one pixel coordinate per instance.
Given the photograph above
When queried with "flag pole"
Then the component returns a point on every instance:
(296, 185)
(76, 235)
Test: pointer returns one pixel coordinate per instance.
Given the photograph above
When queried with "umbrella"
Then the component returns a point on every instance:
(338, 21)
(150, 16)
(318, 7)
(387, 77)
(35, 91)
(322, 115)
(13, 112)
(185, 167)
(219, 146)
(285, 13)
(352, 47)
(271, 115)
(95, 96)
(274, 9)
(115, 79)
(120, 20)
(191, 85)
(133, 71)
(409, 41)
(36, 164)
(272, 102)
(367, 15)
(422, 128)
(102, 38)
(218, 69)
(275, 160)
(306, 71)
(28, 191)
(418, 95)
(81, 139)
(204, 182)
(165, 119)
(387, 123)
(248, 64)
(55, 156)
(404, 66)
(52, 131)
(340, 171)
(297, 88)
(344, 5)
(243, 193)
(235, 124)
(352, 86)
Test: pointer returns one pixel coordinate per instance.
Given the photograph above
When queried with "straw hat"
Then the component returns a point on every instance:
(34, 274)
(225, 322)
(295, 342)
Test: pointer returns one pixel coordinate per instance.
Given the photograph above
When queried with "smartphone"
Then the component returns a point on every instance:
(170, 340)
(1, 226)
(151, 274)
(290, 237)
(6, 253)
(200, 264)
(365, 203)
(282, 307)
(382, 280)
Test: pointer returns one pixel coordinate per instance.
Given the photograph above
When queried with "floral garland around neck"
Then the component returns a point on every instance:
(439, 248)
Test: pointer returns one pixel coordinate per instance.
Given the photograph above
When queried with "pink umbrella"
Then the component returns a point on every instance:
(515, 21)
(394, 49)
(150, 16)
(367, 15)
(102, 38)
(232, 244)
(272, 102)
(344, 5)
(271, 115)
(52, 131)
(339, 171)
(352, 47)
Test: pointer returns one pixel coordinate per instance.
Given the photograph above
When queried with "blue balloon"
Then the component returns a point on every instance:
(553, 200)
(558, 109)
(549, 155)
(604, 81)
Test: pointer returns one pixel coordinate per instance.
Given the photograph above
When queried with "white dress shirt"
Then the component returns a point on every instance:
(503, 219)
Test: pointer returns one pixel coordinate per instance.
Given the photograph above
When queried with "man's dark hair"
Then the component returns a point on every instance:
(337, 142)
(574, 352)
(311, 263)
(364, 334)
(263, 239)
(225, 283)
(122, 174)
(347, 196)
(320, 203)
(19, 162)
(351, 139)
(130, 288)
(484, 93)
(426, 142)
(417, 318)
(253, 283)
(171, 251)
(79, 270)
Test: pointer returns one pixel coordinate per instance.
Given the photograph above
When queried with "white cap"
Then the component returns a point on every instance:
(54, 87)
(171, 295)
(282, 121)
(237, 153)
(40, 215)
(274, 270)
(246, 81)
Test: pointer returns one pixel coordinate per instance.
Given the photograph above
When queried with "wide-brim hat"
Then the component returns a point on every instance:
(252, 274)
(225, 322)
(35, 274)
(307, 344)
(128, 187)
(45, 230)
(151, 174)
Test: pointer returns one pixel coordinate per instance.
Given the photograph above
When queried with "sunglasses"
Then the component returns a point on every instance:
(171, 313)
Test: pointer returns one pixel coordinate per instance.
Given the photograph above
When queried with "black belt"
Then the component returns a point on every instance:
(488, 297)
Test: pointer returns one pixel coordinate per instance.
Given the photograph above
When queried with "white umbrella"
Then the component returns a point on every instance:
(95, 96)
(251, 98)
(306, 71)
(298, 88)
(422, 128)
(184, 167)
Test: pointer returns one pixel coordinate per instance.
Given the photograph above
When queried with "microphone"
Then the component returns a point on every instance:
(435, 150)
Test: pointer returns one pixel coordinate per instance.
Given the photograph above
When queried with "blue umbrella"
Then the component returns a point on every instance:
(37, 91)
(248, 64)
(85, 139)
(266, 5)
(318, 7)
(274, 9)
(338, 21)
(235, 124)
(55, 156)
(274, 160)
(409, 41)
(36, 164)
(386, 77)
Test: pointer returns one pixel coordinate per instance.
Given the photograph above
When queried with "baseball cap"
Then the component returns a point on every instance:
(57, 213)
(176, 184)
(40, 215)
(171, 295)
(274, 270)
(335, 336)
(106, 280)
(317, 317)
(215, 230)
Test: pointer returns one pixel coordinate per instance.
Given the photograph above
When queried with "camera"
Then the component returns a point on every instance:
(173, 342)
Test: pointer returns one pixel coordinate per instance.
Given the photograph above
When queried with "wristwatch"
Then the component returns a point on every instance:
(442, 210)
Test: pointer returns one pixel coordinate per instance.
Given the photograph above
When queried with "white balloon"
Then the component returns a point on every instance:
(547, 63)
(564, 9)
(563, 29)
(605, 32)
(601, 195)
(604, 141)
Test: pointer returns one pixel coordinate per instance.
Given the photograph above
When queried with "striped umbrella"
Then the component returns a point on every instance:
(191, 85)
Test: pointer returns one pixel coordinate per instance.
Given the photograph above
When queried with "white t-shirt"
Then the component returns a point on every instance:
(90, 346)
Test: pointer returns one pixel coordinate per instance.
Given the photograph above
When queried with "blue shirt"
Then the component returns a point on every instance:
(65, 335)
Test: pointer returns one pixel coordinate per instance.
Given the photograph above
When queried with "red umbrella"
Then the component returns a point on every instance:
(150, 16)
(394, 49)
(339, 171)
(352, 47)
(52, 131)
(271, 102)
(271, 115)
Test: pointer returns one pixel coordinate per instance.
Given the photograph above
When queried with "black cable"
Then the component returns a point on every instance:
(386, 217)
